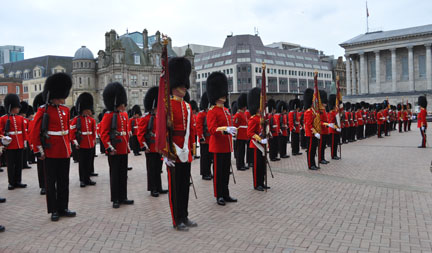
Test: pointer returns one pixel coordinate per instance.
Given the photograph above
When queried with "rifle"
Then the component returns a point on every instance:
(78, 133)
(44, 126)
(232, 170)
(7, 126)
(149, 131)
(113, 133)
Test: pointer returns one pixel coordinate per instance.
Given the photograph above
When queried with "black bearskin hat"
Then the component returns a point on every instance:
(114, 95)
(204, 103)
(385, 103)
(301, 105)
(242, 101)
(24, 107)
(294, 104)
(358, 106)
(253, 100)
(307, 98)
(58, 85)
(30, 111)
(323, 96)
(100, 116)
(179, 72)
(409, 106)
(227, 104)
(38, 101)
(347, 105)
(151, 99)
(194, 105)
(11, 101)
(234, 107)
(136, 109)
(2, 110)
(422, 101)
(217, 87)
(332, 101)
(281, 106)
(399, 107)
(84, 102)
(363, 104)
(186, 97)
(73, 112)
(378, 107)
(271, 104)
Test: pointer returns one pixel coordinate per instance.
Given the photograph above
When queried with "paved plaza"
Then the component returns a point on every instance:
(378, 198)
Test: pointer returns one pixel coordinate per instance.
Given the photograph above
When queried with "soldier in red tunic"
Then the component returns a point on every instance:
(253, 132)
(179, 171)
(146, 140)
(380, 120)
(324, 129)
(204, 139)
(294, 125)
(221, 130)
(312, 134)
(50, 138)
(334, 127)
(14, 126)
(421, 119)
(282, 108)
(133, 125)
(23, 113)
(115, 137)
(274, 130)
(38, 102)
(83, 137)
(240, 122)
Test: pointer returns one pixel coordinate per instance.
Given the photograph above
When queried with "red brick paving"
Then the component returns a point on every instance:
(377, 199)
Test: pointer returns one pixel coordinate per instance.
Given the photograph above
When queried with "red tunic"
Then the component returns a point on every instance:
(380, 118)
(309, 116)
(332, 119)
(421, 118)
(254, 127)
(58, 132)
(133, 125)
(147, 135)
(219, 142)
(294, 121)
(121, 147)
(359, 117)
(179, 109)
(17, 130)
(274, 124)
(323, 116)
(88, 132)
(201, 127)
(240, 121)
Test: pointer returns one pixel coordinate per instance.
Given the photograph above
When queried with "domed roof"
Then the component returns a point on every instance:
(83, 54)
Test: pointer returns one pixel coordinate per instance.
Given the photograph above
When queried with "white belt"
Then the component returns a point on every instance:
(15, 133)
(135, 127)
(58, 133)
(87, 133)
(121, 133)
(274, 126)
(243, 127)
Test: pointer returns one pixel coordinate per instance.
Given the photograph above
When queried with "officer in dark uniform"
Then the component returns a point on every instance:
(55, 150)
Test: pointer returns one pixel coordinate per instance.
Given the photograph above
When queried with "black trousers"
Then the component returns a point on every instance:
(241, 151)
(273, 146)
(57, 183)
(359, 132)
(178, 186)
(405, 125)
(311, 150)
(322, 147)
(14, 162)
(101, 147)
(380, 130)
(295, 148)
(31, 157)
(235, 148)
(41, 173)
(221, 172)
(249, 155)
(75, 155)
(423, 135)
(303, 140)
(283, 140)
(259, 169)
(400, 126)
(205, 160)
(334, 144)
(86, 160)
(409, 125)
(344, 134)
(386, 128)
(26, 152)
(118, 176)
(154, 169)
(93, 150)
(134, 145)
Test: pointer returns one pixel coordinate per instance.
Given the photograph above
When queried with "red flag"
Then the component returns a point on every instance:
(367, 10)
(263, 98)
(163, 114)
(316, 105)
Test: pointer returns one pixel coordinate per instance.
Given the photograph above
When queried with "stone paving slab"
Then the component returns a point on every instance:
(377, 199)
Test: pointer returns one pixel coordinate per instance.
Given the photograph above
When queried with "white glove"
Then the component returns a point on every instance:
(338, 130)
(264, 141)
(231, 130)
(318, 136)
(169, 162)
(422, 128)
(331, 125)
(6, 140)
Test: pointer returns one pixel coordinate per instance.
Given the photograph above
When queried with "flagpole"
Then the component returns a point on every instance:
(367, 18)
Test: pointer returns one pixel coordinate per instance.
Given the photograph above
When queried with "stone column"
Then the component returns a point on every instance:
(363, 72)
(411, 68)
(355, 75)
(428, 66)
(348, 74)
(393, 62)
(377, 70)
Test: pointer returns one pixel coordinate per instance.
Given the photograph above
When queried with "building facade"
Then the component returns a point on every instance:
(33, 73)
(11, 54)
(396, 64)
(289, 72)
(12, 85)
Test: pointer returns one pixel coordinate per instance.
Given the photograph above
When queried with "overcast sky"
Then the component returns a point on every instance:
(57, 27)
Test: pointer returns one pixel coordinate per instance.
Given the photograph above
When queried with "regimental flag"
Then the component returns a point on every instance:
(316, 105)
(263, 97)
(164, 144)
(367, 10)
(338, 102)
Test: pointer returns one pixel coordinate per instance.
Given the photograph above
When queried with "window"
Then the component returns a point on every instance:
(3, 89)
(25, 89)
(259, 52)
(219, 63)
(299, 64)
(243, 59)
(215, 56)
(300, 57)
(35, 87)
(208, 65)
(422, 66)
(258, 60)
(133, 80)
(200, 75)
(228, 61)
(404, 68)
(289, 63)
(197, 59)
(226, 53)
(281, 55)
(117, 77)
(268, 61)
(17, 89)
(80, 81)
(231, 71)
(198, 67)
(205, 58)
(137, 59)
(372, 66)
(243, 51)
(291, 56)
(280, 62)
(308, 58)
(271, 53)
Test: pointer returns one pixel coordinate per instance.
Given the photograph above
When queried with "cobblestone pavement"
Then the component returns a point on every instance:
(377, 199)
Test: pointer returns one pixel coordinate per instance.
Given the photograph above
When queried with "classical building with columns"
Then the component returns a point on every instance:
(393, 64)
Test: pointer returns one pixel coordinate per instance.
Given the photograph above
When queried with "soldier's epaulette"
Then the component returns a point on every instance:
(211, 108)
(42, 106)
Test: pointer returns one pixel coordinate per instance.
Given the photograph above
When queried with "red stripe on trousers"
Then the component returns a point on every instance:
(170, 196)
